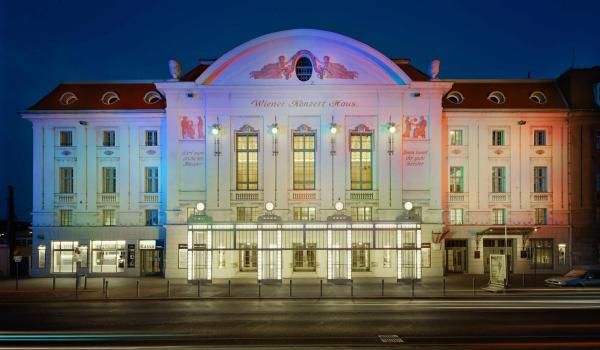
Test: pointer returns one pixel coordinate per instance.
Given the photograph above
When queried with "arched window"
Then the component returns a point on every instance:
(109, 98)
(304, 69)
(152, 97)
(497, 97)
(538, 97)
(455, 97)
(67, 98)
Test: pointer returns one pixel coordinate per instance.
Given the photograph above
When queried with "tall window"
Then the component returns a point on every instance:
(362, 213)
(543, 253)
(109, 217)
(539, 137)
(305, 259)
(151, 138)
(108, 256)
(540, 179)
(41, 256)
(457, 179)
(456, 216)
(360, 256)
(247, 214)
(151, 217)
(63, 259)
(499, 216)
(108, 138)
(65, 178)
(304, 161)
(66, 138)
(109, 180)
(541, 216)
(498, 179)
(305, 214)
(246, 147)
(248, 256)
(151, 174)
(361, 161)
(66, 217)
(456, 137)
(498, 137)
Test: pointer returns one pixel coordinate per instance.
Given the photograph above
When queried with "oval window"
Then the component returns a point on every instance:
(304, 69)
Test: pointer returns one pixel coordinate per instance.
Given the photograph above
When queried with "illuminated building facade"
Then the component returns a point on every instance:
(299, 154)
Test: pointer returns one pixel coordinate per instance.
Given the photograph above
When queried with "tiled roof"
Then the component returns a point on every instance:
(517, 92)
(89, 97)
(196, 71)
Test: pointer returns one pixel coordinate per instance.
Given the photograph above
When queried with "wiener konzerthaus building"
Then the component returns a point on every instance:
(300, 154)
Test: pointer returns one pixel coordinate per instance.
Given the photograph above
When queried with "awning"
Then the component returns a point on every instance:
(500, 230)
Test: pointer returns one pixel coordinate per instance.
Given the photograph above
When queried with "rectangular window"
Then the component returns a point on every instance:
(305, 214)
(66, 217)
(498, 179)
(245, 214)
(182, 256)
(151, 217)
(41, 256)
(362, 213)
(539, 137)
(540, 179)
(109, 180)
(108, 256)
(65, 180)
(456, 137)
(63, 256)
(248, 256)
(151, 138)
(360, 256)
(246, 147)
(541, 216)
(305, 259)
(304, 161)
(108, 138)
(543, 253)
(499, 216)
(66, 138)
(456, 216)
(457, 178)
(151, 174)
(361, 161)
(109, 217)
(498, 137)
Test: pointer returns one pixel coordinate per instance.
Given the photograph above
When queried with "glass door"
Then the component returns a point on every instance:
(151, 262)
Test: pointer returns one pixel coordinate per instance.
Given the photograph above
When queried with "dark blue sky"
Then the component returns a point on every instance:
(45, 42)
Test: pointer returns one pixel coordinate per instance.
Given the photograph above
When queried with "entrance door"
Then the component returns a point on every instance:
(456, 255)
(497, 246)
(339, 256)
(151, 262)
(269, 255)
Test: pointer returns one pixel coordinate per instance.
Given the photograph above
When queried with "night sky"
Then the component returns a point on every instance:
(44, 43)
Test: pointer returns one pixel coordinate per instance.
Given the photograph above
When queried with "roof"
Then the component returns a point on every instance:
(89, 95)
(577, 85)
(196, 71)
(517, 94)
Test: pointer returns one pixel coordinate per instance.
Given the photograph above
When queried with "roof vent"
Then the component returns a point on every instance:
(497, 97)
(152, 97)
(110, 98)
(67, 98)
(455, 97)
(538, 97)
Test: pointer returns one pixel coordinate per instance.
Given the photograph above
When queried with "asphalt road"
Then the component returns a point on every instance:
(501, 323)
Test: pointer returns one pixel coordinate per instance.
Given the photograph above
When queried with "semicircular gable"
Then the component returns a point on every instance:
(271, 60)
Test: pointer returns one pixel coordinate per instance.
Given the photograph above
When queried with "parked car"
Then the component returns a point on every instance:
(576, 278)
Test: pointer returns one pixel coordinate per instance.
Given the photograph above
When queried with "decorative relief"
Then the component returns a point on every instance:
(415, 127)
(498, 151)
(304, 129)
(540, 151)
(108, 152)
(361, 128)
(283, 68)
(151, 152)
(456, 151)
(66, 153)
(247, 128)
(191, 128)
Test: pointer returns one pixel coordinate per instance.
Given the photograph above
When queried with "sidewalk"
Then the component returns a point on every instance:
(41, 289)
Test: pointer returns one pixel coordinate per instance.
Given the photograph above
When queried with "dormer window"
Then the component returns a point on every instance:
(455, 97)
(152, 97)
(67, 98)
(497, 97)
(538, 97)
(304, 69)
(110, 98)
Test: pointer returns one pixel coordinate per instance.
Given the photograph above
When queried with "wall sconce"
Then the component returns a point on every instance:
(391, 127)
(333, 129)
(215, 129)
(274, 131)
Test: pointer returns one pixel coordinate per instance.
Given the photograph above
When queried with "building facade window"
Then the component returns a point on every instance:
(108, 256)
(182, 256)
(66, 138)
(109, 180)
(66, 217)
(109, 217)
(304, 161)
(543, 253)
(499, 216)
(498, 179)
(498, 137)
(456, 137)
(151, 217)
(360, 256)
(151, 138)
(456, 216)
(151, 183)
(305, 214)
(41, 250)
(246, 147)
(305, 259)
(361, 161)
(65, 180)
(541, 216)
(246, 214)
(540, 179)
(362, 213)
(248, 257)
(457, 179)
(63, 256)
(539, 137)
(108, 138)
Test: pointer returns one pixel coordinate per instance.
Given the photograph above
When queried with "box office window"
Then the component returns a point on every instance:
(63, 256)
(304, 161)
(108, 256)
(361, 161)
(246, 148)
(543, 253)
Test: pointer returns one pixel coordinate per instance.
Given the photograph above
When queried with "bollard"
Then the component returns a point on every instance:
(413, 287)
(168, 288)
(259, 285)
(321, 287)
(137, 288)
(84, 281)
(229, 292)
(352, 288)
(444, 286)
(523, 279)
(198, 289)
(290, 288)
(382, 287)
(106, 290)
(76, 286)
(473, 285)
(53, 282)
(103, 284)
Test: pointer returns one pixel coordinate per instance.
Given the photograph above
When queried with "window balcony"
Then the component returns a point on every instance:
(458, 197)
(498, 197)
(150, 198)
(303, 195)
(65, 198)
(108, 198)
(246, 196)
(541, 197)
(361, 195)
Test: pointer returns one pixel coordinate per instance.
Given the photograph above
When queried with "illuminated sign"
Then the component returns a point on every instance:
(147, 244)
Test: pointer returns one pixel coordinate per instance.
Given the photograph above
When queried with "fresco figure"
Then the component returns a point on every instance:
(273, 70)
(332, 70)
(187, 128)
(200, 127)
(421, 128)
(415, 128)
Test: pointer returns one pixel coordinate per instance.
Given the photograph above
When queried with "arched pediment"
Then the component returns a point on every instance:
(325, 58)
